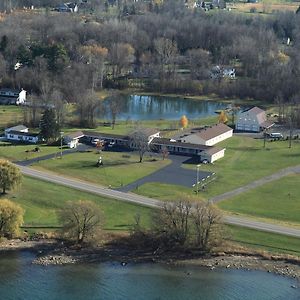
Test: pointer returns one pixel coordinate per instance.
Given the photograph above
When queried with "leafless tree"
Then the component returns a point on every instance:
(139, 141)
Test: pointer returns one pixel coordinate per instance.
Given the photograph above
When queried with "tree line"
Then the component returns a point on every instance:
(64, 58)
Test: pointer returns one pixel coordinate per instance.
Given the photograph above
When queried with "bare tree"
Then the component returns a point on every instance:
(80, 220)
(171, 223)
(139, 140)
(205, 218)
(115, 105)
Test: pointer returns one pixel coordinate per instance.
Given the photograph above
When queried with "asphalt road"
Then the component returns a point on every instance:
(128, 197)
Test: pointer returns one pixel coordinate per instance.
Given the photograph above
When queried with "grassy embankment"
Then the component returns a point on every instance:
(40, 211)
(41, 200)
(277, 200)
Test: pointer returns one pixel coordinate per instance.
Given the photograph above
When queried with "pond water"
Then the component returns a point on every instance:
(19, 279)
(137, 107)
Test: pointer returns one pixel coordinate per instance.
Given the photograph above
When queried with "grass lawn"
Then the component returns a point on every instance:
(10, 115)
(17, 152)
(165, 192)
(246, 160)
(264, 240)
(41, 200)
(278, 200)
(119, 168)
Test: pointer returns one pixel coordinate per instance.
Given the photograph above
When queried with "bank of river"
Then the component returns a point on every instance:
(20, 279)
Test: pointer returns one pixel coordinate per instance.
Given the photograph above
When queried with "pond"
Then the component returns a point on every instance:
(136, 107)
(20, 279)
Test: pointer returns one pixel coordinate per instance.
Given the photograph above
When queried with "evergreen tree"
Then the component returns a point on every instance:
(49, 126)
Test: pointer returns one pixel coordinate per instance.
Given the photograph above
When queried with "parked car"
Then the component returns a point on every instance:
(276, 135)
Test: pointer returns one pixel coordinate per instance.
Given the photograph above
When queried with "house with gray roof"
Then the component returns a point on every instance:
(253, 120)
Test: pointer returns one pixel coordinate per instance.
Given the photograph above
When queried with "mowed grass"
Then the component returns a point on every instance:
(41, 200)
(165, 192)
(119, 168)
(278, 200)
(272, 242)
(10, 115)
(19, 152)
(246, 160)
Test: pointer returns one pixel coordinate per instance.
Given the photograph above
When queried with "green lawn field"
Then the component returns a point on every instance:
(278, 200)
(118, 168)
(41, 200)
(246, 160)
(271, 242)
(10, 115)
(19, 152)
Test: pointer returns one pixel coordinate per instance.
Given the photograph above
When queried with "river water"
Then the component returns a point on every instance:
(137, 107)
(21, 280)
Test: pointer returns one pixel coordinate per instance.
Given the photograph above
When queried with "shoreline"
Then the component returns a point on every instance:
(52, 252)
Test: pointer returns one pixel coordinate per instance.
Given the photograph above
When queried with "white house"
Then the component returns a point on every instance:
(22, 98)
(20, 134)
(253, 119)
(208, 136)
(72, 139)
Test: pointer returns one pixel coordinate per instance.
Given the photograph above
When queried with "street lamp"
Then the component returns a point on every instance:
(197, 182)
(61, 141)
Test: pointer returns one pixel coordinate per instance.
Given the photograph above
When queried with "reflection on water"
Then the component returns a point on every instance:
(155, 107)
(19, 279)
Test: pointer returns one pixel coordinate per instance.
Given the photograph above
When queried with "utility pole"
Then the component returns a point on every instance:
(61, 142)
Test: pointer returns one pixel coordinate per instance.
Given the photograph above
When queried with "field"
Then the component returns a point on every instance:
(10, 115)
(264, 240)
(264, 7)
(118, 168)
(40, 211)
(41, 200)
(246, 160)
(18, 152)
(276, 200)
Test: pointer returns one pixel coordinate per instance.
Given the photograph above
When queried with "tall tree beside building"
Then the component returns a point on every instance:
(10, 175)
(49, 128)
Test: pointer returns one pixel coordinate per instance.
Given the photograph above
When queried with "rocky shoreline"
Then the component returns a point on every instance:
(51, 252)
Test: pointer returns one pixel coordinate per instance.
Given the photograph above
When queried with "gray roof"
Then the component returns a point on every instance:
(16, 128)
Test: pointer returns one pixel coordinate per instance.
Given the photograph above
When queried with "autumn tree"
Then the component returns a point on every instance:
(222, 117)
(96, 56)
(184, 121)
(80, 220)
(10, 175)
(49, 127)
(121, 55)
(11, 218)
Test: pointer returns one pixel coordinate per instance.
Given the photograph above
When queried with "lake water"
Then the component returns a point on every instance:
(20, 280)
(169, 108)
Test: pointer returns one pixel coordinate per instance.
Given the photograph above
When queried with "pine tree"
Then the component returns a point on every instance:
(49, 126)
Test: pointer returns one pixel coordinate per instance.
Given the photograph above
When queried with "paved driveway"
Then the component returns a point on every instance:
(171, 174)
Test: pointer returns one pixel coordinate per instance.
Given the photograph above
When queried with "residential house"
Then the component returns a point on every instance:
(72, 139)
(67, 7)
(12, 96)
(20, 134)
(207, 136)
(253, 120)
